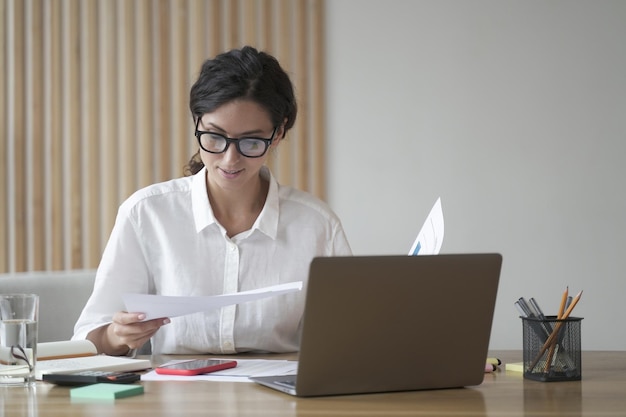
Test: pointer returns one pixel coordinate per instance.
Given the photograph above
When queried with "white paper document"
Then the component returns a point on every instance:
(245, 368)
(155, 306)
(90, 363)
(430, 237)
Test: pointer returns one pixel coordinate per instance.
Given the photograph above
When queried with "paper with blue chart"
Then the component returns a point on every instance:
(430, 237)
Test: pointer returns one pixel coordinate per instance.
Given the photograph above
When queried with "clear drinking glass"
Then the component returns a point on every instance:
(19, 314)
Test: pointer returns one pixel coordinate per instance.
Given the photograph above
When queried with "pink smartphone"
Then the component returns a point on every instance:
(195, 367)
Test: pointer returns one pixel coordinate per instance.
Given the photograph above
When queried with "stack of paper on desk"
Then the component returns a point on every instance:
(245, 369)
(81, 355)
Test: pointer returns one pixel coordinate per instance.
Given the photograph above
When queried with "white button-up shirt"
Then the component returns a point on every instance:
(167, 241)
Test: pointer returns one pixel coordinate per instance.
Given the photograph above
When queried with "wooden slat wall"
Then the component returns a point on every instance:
(93, 105)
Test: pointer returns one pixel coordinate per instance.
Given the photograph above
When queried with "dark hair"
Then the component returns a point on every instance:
(242, 74)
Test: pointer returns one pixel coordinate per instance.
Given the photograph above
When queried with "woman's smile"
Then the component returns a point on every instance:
(230, 173)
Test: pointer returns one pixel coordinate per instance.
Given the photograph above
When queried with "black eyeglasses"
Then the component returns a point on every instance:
(249, 146)
(21, 355)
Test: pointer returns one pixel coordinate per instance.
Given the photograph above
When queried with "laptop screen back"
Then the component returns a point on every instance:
(394, 323)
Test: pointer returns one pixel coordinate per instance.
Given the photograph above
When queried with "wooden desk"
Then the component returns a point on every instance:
(602, 391)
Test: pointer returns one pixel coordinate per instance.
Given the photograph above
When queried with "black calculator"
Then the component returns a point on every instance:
(91, 377)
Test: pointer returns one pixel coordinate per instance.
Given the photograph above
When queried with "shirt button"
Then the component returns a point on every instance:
(228, 345)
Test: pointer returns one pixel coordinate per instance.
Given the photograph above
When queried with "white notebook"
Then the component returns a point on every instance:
(81, 355)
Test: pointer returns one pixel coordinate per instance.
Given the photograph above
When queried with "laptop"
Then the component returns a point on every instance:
(394, 323)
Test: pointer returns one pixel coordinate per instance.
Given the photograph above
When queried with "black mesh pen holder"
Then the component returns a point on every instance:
(551, 348)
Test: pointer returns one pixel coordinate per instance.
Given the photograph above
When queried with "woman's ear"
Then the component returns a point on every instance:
(282, 130)
(277, 139)
(280, 134)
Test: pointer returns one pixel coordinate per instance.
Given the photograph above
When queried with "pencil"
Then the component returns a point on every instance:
(559, 316)
(572, 305)
(550, 343)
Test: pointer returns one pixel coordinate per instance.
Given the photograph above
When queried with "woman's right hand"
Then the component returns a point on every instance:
(127, 331)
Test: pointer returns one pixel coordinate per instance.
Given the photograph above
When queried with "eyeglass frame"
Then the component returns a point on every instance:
(268, 142)
(21, 355)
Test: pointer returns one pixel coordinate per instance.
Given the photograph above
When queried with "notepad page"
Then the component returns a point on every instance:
(91, 363)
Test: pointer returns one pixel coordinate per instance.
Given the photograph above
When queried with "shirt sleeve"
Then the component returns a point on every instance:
(122, 269)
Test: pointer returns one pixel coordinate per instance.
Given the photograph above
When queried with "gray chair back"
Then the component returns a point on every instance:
(62, 296)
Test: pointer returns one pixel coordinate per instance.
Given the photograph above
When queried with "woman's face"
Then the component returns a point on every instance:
(231, 170)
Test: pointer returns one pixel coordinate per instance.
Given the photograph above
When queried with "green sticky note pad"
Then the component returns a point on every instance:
(106, 391)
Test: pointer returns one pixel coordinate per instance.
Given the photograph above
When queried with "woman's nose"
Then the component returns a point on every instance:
(232, 153)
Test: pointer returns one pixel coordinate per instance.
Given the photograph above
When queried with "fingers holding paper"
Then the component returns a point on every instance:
(127, 331)
(130, 330)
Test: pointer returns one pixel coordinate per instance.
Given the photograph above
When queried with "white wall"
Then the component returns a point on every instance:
(514, 112)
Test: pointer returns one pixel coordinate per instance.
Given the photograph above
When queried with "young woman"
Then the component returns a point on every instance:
(227, 227)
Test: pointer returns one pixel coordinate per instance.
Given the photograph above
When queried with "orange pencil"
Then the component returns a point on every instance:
(551, 342)
(572, 305)
(558, 316)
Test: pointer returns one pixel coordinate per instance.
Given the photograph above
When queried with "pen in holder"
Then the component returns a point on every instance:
(551, 348)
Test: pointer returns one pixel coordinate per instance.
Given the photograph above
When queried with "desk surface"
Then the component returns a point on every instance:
(601, 392)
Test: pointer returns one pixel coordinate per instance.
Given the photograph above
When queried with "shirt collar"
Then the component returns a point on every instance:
(202, 211)
(267, 222)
